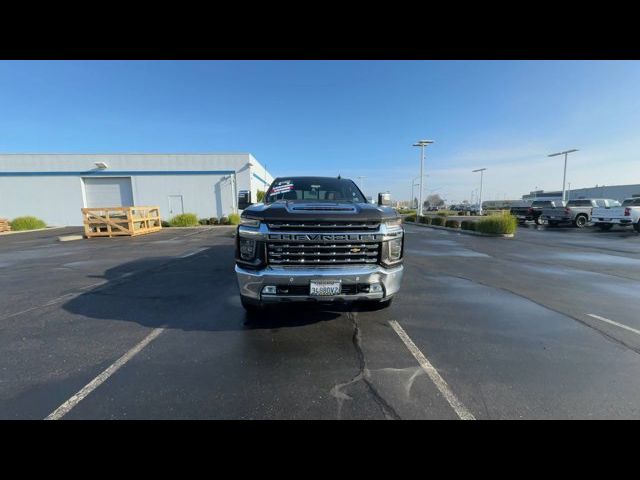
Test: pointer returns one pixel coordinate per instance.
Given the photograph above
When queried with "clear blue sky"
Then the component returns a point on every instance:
(348, 117)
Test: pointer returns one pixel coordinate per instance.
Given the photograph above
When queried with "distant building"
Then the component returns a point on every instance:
(617, 192)
(54, 187)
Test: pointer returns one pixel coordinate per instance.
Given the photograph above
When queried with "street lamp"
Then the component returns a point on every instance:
(413, 184)
(421, 144)
(481, 170)
(564, 177)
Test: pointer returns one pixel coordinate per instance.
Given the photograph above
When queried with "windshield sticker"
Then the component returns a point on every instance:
(282, 187)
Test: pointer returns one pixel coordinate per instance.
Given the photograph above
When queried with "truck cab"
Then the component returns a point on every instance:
(316, 240)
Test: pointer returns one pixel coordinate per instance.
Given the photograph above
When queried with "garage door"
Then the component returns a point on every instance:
(108, 192)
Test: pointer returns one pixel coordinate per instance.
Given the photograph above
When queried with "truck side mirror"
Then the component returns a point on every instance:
(384, 199)
(244, 199)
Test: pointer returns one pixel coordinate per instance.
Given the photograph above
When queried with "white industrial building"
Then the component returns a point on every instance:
(54, 187)
(616, 192)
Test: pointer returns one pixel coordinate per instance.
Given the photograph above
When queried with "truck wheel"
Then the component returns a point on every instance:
(581, 221)
(605, 227)
(540, 221)
(384, 304)
(251, 308)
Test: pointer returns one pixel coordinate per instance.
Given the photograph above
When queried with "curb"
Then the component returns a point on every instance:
(468, 232)
(14, 232)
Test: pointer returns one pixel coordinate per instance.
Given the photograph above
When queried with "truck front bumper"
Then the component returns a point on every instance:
(354, 279)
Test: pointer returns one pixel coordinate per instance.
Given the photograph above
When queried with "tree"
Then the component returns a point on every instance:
(434, 200)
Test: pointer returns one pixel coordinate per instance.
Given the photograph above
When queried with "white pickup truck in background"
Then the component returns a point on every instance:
(626, 215)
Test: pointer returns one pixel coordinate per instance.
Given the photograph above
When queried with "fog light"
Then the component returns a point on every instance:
(375, 288)
(269, 290)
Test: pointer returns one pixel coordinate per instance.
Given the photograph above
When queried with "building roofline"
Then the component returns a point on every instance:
(134, 153)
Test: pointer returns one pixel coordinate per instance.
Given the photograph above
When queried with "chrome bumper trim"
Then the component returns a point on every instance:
(251, 282)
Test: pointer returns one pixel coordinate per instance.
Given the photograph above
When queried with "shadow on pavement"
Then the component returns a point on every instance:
(198, 292)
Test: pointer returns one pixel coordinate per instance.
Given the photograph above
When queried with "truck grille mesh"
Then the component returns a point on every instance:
(322, 254)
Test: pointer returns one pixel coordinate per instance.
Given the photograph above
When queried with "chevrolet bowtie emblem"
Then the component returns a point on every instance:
(354, 250)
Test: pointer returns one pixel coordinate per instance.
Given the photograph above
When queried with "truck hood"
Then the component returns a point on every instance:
(319, 211)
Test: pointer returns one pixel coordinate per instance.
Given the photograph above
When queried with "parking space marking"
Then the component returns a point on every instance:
(602, 319)
(53, 301)
(66, 407)
(462, 412)
(194, 252)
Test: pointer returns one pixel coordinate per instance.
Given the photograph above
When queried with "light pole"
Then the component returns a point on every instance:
(413, 184)
(564, 177)
(421, 144)
(481, 170)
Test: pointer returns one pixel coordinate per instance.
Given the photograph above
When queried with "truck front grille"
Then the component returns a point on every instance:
(322, 254)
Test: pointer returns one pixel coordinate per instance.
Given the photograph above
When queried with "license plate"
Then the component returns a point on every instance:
(324, 288)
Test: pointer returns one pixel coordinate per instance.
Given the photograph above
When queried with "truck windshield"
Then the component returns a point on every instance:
(314, 189)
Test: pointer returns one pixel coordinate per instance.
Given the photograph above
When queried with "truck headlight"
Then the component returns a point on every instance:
(392, 250)
(249, 222)
(247, 249)
(393, 222)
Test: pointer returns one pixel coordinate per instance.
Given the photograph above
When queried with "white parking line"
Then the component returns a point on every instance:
(462, 412)
(66, 407)
(194, 252)
(602, 319)
(53, 301)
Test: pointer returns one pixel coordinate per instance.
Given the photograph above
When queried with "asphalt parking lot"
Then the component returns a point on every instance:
(545, 325)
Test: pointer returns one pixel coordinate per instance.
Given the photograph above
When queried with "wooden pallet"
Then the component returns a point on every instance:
(4, 225)
(121, 221)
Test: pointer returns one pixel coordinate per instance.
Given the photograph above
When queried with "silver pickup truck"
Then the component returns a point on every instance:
(317, 239)
(576, 212)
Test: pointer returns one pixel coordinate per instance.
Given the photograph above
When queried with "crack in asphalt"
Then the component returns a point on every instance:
(364, 374)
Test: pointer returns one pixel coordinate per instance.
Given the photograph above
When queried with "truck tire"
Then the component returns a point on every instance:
(539, 221)
(605, 227)
(581, 221)
(252, 309)
(384, 304)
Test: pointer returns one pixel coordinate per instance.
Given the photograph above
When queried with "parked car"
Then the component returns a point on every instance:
(533, 212)
(576, 212)
(625, 215)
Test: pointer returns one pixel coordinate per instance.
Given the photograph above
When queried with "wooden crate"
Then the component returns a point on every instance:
(119, 221)
(4, 225)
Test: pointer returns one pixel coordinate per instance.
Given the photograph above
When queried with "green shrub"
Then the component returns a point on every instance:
(497, 224)
(410, 218)
(224, 221)
(184, 220)
(468, 225)
(452, 224)
(203, 221)
(27, 223)
(442, 214)
(213, 221)
(165, 224)
(438, 221)
(234, 219)
(426, 220)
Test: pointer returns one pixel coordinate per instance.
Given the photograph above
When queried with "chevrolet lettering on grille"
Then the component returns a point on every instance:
(323, 237)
